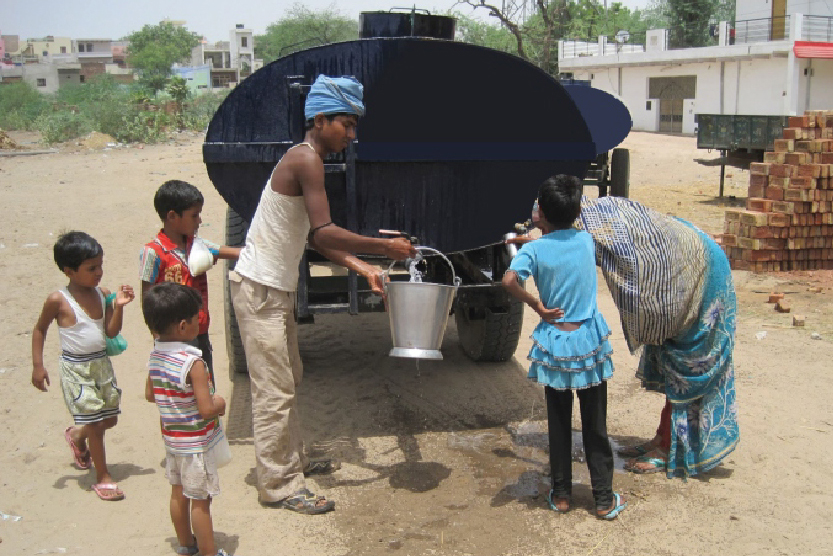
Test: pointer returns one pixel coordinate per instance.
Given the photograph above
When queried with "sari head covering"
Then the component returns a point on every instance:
(334, 95)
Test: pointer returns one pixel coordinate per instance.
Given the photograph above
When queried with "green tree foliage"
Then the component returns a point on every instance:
(178, 89)
(490, 35)
(302, 28)
(20, 106)
(155, 48)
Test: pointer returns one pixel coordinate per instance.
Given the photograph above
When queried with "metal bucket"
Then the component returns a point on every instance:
(418, 314)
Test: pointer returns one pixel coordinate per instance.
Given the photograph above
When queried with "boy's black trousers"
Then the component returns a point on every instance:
(593, 407)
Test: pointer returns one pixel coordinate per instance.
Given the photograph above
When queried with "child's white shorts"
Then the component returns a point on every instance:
(197, 473)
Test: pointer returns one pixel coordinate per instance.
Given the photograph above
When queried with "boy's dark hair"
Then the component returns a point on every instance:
(559, 198)
(177, 196)
(169, 303)
(73, 248)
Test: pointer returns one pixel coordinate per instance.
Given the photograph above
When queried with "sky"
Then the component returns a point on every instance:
(213, 19)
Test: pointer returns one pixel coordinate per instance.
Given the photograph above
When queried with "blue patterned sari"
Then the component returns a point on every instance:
(673, 287)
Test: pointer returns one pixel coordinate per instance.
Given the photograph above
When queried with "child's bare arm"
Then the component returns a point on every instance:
(115, 313)
(40, 378)
(516, 290)
(209, 406)
(227, 252)
(149, 391)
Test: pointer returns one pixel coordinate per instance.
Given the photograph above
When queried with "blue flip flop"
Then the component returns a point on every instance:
(554, 507)
(618, 506)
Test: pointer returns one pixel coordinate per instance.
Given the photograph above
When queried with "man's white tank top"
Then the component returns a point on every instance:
(86, 336)
(276, 240)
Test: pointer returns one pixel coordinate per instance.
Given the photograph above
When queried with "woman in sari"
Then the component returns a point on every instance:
(673, 287)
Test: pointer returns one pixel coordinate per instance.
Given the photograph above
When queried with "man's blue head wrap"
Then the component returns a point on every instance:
(334, 95)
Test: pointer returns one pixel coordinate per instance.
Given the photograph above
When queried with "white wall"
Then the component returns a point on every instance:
(755, 9)
(762, 86)
(821, 86)
(758, 89)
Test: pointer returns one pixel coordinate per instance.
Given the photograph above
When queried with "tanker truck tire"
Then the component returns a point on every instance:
(620, 173)
(236, 228)
(493, 338)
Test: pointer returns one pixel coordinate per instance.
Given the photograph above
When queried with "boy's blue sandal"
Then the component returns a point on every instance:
(553, 501)
(618, 506)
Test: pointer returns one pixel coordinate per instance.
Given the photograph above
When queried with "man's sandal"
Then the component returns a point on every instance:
(305, 502)
(321, 467)
(555, 502)
(618, 506)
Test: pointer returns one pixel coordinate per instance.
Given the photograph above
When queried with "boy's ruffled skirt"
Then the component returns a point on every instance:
(571, 360)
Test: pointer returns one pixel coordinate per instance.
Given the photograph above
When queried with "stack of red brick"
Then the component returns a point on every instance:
(788, 221)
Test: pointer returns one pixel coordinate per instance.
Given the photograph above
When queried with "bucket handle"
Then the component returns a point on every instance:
(455, 280)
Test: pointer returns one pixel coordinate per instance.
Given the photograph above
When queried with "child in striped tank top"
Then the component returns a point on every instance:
(179, 383)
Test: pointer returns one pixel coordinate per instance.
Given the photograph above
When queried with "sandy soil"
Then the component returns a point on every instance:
(447, 459)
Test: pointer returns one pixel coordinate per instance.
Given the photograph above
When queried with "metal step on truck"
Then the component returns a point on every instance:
(455, 142)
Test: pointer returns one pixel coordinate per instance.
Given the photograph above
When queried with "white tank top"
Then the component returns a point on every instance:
(276, 240)
(86, 336)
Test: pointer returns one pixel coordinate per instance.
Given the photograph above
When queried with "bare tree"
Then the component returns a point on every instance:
(537, 32)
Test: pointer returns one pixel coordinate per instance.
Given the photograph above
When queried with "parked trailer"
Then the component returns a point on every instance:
(738, 137)
(456, 140)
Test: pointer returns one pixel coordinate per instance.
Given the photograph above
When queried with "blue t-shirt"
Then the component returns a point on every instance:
(563, 265)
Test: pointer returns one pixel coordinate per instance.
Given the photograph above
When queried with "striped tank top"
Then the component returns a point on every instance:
(183, 428)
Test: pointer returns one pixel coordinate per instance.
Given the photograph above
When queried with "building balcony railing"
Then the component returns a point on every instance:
(761, 30)
(817, 28)
(809, 28)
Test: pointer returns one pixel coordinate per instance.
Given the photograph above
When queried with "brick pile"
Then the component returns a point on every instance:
(788, 221)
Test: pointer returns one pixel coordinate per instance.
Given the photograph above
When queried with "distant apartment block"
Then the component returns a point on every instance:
(49, 63)
(228, 61)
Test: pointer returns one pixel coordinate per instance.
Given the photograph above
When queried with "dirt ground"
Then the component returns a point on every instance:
(447, 459)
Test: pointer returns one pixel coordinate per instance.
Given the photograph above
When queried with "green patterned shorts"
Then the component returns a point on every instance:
(90, 389)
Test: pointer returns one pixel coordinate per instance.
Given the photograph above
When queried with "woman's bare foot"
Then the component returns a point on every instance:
(654, 461)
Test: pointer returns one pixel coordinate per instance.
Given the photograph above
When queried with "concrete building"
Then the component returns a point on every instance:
(772, 65)
(228, 61)
(45, 78)
(198, 78)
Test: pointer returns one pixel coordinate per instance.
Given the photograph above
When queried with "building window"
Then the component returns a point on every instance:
(41, 82)
(82, 78)
(89, 47)
(80, 47)
(244, 41)
(63, 50)
(46, 54)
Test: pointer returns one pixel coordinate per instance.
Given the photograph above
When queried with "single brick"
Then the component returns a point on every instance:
(784, 145)
(758, 204)
(774, 192)
(761, 168)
